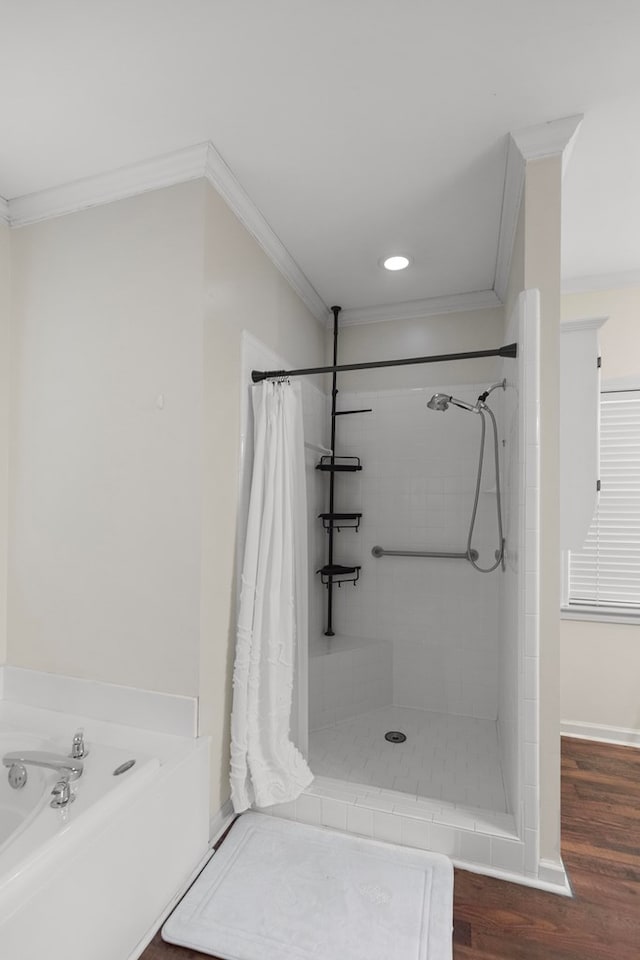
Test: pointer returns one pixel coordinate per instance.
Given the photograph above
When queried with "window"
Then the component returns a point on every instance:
(604, 578)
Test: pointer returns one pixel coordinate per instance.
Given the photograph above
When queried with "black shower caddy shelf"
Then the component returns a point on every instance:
(341, 521)
(346, 464)
(336, 573)
(332, 573)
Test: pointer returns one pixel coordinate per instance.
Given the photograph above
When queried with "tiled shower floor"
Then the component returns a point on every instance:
(445, 757)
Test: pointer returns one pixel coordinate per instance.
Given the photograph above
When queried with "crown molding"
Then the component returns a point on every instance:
(221, 178)
(588, 323)
(191, 163)
(165, 171)
(419, 309)
(601, 281)
(555, 138)
(548, 139)
(4, 211)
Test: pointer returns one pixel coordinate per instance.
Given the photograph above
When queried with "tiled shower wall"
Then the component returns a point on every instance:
(416, 492)
(347, 677)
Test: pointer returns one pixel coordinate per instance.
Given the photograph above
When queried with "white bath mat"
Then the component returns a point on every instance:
(279, 890)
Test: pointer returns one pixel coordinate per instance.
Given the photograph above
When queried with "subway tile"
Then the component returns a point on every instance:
(287, 811)
(417, 810)
(532, 510)
(360, 821)
(531, 555)
(444, 840)
(374, 802)
(531, 678)
(309, 809)
(496, 824)
(531, 719)
(507, 854)
(531, 764)
(334, 814)
(344, 794)
(532, 421)
(531, 813)
(405, 784)
(475, 847)
(387, 826)
(531, 635)
(531, 593)
(532, 465)
(415, 833)
(531, 853)
(453, 817)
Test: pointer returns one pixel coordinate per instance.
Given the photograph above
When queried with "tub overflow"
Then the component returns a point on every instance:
(123, 767)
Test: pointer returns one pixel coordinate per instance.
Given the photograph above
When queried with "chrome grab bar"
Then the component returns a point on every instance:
(381, 552)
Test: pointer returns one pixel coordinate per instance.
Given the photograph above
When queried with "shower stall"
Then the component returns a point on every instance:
(416, 647)
(418, 702)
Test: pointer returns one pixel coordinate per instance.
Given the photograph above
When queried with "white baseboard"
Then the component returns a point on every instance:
(220, 821)
(623, 736)
(551, 877)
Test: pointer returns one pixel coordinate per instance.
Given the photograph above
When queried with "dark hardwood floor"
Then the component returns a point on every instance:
(494, 920)
(601, 851)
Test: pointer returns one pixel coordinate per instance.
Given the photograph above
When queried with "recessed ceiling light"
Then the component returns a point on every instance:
(396, 263)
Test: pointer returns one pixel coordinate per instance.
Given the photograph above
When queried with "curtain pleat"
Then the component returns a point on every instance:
(266, 766)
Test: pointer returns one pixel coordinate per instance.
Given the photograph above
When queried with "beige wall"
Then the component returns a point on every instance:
(5, 304)
(243, 290)
(620, 336)
(600, 662)
(599, 671)
(123, 511)
(393, 339)
(104, 544)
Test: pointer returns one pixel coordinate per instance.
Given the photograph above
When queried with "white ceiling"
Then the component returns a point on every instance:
(357, 127)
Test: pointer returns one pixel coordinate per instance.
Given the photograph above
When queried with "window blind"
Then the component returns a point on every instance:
(606, 573)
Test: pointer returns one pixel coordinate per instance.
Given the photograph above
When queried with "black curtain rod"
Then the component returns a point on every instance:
(510, 350)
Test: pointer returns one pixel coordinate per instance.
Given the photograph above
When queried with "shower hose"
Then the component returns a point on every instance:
(499, 554)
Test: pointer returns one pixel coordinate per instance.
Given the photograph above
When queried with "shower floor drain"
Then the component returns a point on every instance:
(395, 736)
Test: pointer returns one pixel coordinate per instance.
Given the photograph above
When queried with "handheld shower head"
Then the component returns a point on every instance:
(474, 408)
(439, 401)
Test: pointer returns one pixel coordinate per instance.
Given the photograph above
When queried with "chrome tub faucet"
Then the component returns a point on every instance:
(78, 747)
(61, 794)
(68, 768)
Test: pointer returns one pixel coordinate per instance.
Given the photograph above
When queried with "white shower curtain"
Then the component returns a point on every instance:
(266, 767)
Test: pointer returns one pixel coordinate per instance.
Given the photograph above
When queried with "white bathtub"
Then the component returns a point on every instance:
(90, 880)
(19, 807)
